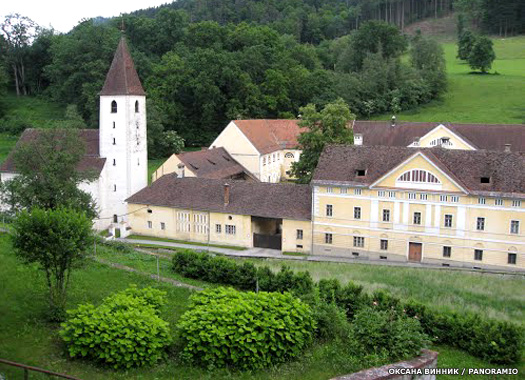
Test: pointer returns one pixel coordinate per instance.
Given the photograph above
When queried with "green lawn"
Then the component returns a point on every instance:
(495, 296)
(24, 337)
(474, 98)
(140, 237)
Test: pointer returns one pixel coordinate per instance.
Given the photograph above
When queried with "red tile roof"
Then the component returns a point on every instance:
(213, 163)
(267, 200)
(270, 135)
(122, 78)
(506, 170)
(91, 160)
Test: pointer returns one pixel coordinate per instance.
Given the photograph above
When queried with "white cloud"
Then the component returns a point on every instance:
(64, 15)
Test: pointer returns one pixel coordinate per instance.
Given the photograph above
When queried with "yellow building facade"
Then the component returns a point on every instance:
(417, 211)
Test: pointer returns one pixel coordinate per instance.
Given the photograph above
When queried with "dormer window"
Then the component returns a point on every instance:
(485, 179)
(136, 106)
(113, 107)
(360, 172)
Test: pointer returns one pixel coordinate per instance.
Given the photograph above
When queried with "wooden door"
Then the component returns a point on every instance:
(414, 252)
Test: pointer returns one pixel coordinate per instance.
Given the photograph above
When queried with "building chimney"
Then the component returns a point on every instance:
(226, 194)
(393, 121)
(507, 147)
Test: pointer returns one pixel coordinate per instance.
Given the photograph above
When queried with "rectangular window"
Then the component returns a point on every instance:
(381, 193)
(359, 241)
(514, 226)
(482, 201)
(328, 238)
(391, 194)
(478, 254)
(162, 226)
(229, 229)
(218, 228)
(384, 245)
(448, 220)
(299, 234)
(447, 251)
(512, 258)
(480, 224)
(423, 197)
(412, 195)
(454, 199)
(498, 202)
(344, 190)
(386, 215)
(358, 191)
(417, 218)
(329, 190)
(329, 210)
(357, 212)
(516, 203)
(150, 224)
(443, 198)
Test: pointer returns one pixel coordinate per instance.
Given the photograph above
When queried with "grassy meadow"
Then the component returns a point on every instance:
(495, 98)
(25, 336)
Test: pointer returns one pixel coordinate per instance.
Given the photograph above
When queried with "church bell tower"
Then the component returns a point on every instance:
(122, 135)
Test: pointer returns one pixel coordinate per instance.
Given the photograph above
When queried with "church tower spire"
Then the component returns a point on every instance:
(122, 134)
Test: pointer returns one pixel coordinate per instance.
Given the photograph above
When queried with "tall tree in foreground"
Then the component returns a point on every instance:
(57, 241)
(329, 126)
(482, 54)
(48, 175)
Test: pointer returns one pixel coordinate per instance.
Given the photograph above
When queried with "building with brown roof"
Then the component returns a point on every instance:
(215, 211)
(215, 163)
(433, 205)
(267, 148)
(117, 151)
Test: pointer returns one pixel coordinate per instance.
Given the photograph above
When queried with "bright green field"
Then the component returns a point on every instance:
(474, 98)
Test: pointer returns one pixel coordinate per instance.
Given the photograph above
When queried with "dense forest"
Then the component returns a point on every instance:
(204, 62)
(308, 20)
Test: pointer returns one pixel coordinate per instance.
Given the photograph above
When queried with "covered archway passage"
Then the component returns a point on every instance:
(267, 232)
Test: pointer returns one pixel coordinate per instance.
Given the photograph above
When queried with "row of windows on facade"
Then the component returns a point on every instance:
(114, 107)
(359, 242)
(424, 197)
(277, 156)
(448, 221)
(229, 229)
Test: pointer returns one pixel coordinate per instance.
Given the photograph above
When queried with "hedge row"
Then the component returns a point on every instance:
(245, 276)
(495, 341)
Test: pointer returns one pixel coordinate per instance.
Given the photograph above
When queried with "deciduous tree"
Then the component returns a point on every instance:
(56, 241)
(482, 54)
(329, 126)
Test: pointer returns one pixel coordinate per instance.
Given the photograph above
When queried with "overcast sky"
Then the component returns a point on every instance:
(64, 15)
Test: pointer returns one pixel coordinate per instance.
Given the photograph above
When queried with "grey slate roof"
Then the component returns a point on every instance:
(267, 200)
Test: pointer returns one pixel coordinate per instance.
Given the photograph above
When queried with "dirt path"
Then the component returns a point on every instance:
(152, 276)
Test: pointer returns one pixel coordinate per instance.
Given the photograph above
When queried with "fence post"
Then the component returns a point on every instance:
(26, 374)
(158, 271)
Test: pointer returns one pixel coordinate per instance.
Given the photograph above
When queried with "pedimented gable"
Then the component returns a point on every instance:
(442, 136)
(419, 173)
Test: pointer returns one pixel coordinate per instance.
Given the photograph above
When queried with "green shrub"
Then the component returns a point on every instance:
(124, 331)
(495, 341)
(244, 330)
(329, 289)
(246, 277)
(387, 333)
(331, 322)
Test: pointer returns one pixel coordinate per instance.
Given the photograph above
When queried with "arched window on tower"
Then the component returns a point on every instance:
(136, 106)
(113, 107)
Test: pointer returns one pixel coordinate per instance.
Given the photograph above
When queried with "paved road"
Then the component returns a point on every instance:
(263, 253)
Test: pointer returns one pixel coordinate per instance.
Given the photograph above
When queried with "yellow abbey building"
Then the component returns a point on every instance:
(454, 208)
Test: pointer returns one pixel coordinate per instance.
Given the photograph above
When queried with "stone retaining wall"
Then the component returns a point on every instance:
(427, 360)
